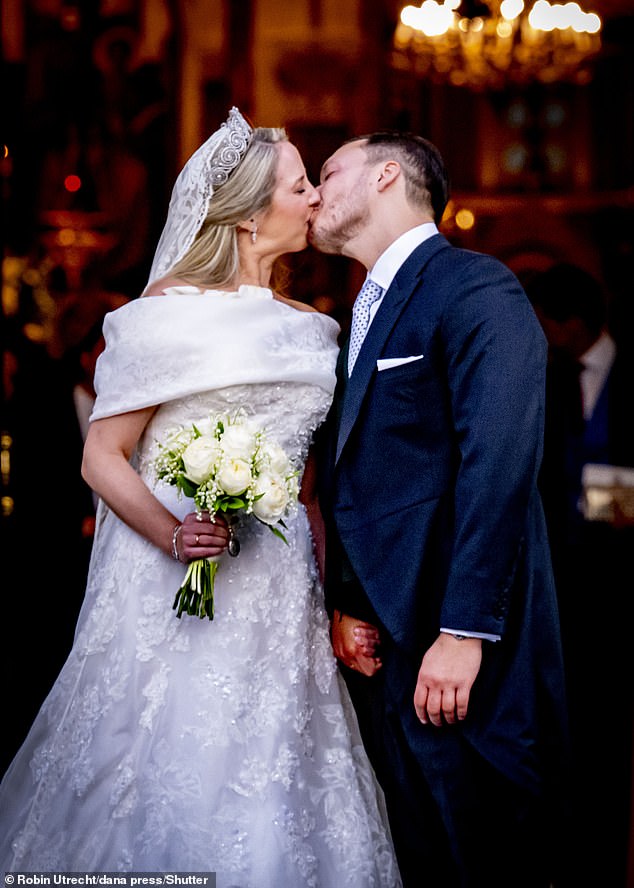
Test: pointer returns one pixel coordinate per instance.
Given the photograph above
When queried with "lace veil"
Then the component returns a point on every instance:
(207, 169)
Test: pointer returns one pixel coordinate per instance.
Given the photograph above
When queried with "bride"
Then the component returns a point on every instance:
(229, 745)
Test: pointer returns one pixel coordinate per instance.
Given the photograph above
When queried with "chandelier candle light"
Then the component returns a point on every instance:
(498, 43)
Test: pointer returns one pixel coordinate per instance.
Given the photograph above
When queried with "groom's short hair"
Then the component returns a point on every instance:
(426, 178)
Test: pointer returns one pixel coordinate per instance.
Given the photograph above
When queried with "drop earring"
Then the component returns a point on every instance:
(254, 235)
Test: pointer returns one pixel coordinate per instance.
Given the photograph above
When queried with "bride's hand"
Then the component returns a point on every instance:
(203, 537)
(355, 643)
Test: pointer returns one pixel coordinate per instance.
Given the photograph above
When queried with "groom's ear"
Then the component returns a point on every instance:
(388, 172)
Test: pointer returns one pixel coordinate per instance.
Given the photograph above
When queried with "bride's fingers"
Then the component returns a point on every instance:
(367, 640)
(206, 538)
(201, 529)
(203, 539)
(367, 665)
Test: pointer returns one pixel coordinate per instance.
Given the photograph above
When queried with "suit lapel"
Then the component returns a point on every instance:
(386, 317)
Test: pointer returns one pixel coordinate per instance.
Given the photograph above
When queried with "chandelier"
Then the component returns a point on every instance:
(492, 45)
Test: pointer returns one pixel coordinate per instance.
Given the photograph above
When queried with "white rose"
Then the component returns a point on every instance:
(206, 426)
(274, 500)
(177, 438)
(234, 475)
(199, 458)
(239, 441)
(276, 458)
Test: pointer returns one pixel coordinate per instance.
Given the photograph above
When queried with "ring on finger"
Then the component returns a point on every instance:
(196, 539)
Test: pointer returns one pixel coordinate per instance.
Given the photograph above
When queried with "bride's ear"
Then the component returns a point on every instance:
(248, 225)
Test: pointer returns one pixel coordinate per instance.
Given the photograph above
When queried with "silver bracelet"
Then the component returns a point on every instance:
(175, 533)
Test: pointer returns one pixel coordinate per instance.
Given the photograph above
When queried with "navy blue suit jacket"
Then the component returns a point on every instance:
(429, 485)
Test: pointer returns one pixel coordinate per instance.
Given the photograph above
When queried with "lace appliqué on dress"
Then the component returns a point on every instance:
(226, 746)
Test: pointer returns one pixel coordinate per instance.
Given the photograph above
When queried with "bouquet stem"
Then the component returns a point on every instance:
(196, 594)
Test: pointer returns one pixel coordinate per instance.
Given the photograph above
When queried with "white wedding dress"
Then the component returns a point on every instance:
(190, 745)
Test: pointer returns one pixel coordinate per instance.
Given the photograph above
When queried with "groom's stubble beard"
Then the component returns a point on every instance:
(346, 223)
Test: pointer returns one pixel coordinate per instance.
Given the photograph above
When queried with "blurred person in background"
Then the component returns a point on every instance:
(589, 408)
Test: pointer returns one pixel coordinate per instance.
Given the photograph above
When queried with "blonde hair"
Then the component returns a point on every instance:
(213, 258)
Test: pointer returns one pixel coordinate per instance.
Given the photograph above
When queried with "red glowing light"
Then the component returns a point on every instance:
(72, 183)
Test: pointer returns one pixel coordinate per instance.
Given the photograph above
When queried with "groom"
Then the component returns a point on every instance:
(438, 576)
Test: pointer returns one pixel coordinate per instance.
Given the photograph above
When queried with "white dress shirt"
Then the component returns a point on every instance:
(597, 363)
(387, 265)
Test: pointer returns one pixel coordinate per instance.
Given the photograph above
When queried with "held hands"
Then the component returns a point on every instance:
(355, 643)
(200, 537)
(445, 679)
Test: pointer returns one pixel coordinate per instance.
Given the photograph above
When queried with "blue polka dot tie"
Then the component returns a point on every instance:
(368, 294)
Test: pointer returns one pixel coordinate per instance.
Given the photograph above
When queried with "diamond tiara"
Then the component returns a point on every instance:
(236, 136)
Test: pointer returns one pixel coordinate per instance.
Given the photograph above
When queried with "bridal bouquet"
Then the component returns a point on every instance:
(228, 465)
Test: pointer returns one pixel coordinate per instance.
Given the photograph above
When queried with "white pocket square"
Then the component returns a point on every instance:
(386, 363)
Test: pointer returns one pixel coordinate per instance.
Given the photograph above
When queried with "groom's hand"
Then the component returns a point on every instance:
(445, 679)
(355, 643)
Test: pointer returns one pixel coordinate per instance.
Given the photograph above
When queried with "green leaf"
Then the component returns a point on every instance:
(188, 487)
(278, 533)
(236, 502)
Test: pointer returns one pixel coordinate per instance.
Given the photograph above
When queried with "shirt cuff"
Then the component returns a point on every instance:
(487, 636)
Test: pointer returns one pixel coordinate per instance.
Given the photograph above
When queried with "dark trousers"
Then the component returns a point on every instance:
(456, 821)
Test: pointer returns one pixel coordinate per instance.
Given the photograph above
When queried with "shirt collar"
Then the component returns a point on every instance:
(600, 356)
(386, 266)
